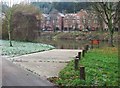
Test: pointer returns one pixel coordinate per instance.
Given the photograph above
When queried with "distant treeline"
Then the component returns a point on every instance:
(66, 7)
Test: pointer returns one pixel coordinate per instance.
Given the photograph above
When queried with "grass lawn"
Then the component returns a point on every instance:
(21, 48)
(101, 67)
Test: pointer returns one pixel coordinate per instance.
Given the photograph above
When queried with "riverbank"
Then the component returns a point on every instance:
(21, 48)
(75, 39)
(101, 67)
(80, 35)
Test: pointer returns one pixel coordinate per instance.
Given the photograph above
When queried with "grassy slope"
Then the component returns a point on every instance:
(101, 66)
(83, 35)
(21, 48)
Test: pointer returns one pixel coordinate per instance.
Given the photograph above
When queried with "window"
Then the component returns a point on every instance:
(95, 21)
(78, 21)
(83, 17)
(48, 18)
(88, 21)
(78, 17)
(73, 21)
(58, 17)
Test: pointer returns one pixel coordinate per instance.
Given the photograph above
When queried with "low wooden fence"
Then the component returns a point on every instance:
(76, 62)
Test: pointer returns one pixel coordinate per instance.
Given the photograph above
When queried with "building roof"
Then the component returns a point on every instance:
(70, 14)
(45, 15)
(62, 15)
(54, 11)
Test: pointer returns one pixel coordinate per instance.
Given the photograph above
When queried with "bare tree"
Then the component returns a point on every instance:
(108, 11)
(85, 21)
(26, 20)
(70, 22)
(8, 15)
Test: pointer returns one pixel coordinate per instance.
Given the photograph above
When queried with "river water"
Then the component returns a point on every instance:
(69, 44)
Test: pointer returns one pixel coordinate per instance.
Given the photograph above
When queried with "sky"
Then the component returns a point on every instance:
(18, 1)
(11, 2)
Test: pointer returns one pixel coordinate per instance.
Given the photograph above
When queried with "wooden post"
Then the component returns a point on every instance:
(98, 43)
(76, 63)
(82, 72)
(83, 53)
(79, 55)
(91, 44)
(86, 48)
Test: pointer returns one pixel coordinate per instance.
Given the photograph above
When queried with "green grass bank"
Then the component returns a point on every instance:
(101, 68)
(79, 35)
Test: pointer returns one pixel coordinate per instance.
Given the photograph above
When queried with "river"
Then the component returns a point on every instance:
(69, 44)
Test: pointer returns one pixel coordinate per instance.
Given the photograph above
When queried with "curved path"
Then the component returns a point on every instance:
(13, 75)
(48, 63)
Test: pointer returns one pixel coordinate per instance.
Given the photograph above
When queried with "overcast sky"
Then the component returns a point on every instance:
(18, 1)
(12, 1)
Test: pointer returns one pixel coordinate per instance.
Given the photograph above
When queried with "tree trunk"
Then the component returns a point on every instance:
(111, 40)
(10, 41)
(111, 32)
(69, 29)
(9, 27)
(9, 34)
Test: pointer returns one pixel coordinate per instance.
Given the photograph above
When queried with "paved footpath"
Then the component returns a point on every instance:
(13, 75)
(48, 63)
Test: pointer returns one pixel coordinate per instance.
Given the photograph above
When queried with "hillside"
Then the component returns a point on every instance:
(46, 7)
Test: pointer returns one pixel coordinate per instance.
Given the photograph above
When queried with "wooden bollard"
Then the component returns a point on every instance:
(83, 53)
(76, 63)
(86, 48)
(79, 55)
(82, 72)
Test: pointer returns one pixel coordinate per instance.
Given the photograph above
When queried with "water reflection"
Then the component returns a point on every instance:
(69, 44)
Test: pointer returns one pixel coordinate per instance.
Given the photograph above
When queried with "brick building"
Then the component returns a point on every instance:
(81, 20)
(72, 21)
